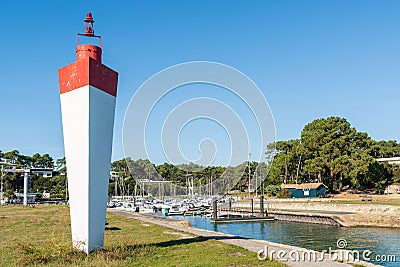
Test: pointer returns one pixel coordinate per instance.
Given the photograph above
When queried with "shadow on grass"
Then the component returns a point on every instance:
(186, 241)
(112, 228)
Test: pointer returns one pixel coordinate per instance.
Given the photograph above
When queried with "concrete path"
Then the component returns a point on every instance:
(290, 255)
(316, 211)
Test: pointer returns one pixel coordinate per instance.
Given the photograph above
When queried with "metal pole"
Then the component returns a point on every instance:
(256, 186)
(211, 191)
(26, 177)
(215, 209)
(134, 196)
(162, 192)
(115, 186)
(262, 187)
(1, 189)
(209, 186)
(192, 186)
(66, 188)
(261, 206)
(252, 206)
(142, 188)
(249, 174)
(211, 194)
(159, 190)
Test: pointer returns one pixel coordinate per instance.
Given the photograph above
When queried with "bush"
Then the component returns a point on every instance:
(9, 194)
(284, 193)
(272, 190)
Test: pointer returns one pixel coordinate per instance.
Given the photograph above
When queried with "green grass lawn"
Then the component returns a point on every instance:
(41, 236)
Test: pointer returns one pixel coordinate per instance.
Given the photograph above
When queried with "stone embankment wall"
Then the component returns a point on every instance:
(305, 219)
(348, 214)
(356, 208)
(343, 214)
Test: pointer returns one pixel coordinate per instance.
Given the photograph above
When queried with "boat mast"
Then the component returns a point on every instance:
(249, 176)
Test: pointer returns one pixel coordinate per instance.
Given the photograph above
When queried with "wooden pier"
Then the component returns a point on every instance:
(241, 219)
(239, 215)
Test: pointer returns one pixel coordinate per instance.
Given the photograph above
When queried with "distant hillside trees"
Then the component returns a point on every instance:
(56, 185)
(23, 161)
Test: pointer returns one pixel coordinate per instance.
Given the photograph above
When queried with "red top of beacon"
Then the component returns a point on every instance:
(88, 69)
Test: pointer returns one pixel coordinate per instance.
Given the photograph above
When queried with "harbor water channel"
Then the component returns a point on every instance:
(384, 243)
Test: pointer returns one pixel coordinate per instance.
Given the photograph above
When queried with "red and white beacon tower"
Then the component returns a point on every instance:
(87, 91)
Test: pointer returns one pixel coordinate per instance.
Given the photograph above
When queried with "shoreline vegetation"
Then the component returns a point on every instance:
(329, 151)
(41, 237)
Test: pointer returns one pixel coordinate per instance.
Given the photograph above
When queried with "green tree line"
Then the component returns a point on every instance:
(333, 152)
(329, 151)
(13, 182)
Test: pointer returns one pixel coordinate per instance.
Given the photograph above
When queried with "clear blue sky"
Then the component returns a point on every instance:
(311, 59)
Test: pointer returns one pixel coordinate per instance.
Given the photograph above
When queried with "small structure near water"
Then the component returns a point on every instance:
(305, 190)
(237, 216)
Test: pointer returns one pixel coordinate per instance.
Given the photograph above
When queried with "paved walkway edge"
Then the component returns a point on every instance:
(281, 252)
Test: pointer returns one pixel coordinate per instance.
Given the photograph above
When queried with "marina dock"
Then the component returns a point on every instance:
(241, 219)
(247, 243)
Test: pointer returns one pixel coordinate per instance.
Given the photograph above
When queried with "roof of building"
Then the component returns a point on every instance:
(7, 164)
(41, 169)
(302, 186)
(394, 160)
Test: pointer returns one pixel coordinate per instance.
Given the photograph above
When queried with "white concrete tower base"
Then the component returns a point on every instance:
(88, 119)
